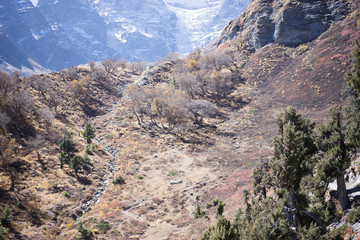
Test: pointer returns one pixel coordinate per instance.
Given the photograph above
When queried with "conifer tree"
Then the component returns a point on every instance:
(76, 163)
(66, 149)
(353, 110)
(262, 179)
(353, 78)
(293, 148)
(7, 216)
(88, 133)
(336, 157)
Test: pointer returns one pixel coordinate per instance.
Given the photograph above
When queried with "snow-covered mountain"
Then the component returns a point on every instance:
(61, 33)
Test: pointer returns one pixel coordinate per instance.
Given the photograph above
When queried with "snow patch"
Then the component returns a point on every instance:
(82, 32)
(148, 35)
(120, 38)
(37, 37)
(24, 71)
(55, 27)
(34, 2)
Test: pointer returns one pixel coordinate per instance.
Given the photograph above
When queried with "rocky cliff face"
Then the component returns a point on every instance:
(285, 22)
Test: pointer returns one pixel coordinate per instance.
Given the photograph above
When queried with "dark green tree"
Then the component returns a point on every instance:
(88, 133)
(76, 163)
(223, 230)
(294, 148)
(262, 178)
(353, 110)
(67, 149)
(353, 78)
(7, 216)
(2, 232)
(84, 232)
(335, 155)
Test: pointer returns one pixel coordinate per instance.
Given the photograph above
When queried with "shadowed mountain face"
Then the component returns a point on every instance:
(285, 22)
(62, 33)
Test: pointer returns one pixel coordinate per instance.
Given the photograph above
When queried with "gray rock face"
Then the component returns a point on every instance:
(285, 22)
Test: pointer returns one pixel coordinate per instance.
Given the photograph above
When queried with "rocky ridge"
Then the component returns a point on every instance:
(288, 23)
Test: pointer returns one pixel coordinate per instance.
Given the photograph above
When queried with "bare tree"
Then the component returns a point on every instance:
(200, 109)
(7, 85)
(20, 104)
(69, 74)
(110, 65)
(92, 65)
(99, 75)
(135, 96)
(122, 64)
(42, 85)
(4, 119)
(47, 115)
(35, 144)
(188, 83)
(7, 159)
(138, 67)
(55, 100)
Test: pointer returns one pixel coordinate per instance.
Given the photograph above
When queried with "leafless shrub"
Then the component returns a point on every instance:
(136, 97)
(35, 144)
(92, 65)
(20, 104)
(7, 85)
(46, 114)
(175, 112)
(201, 109)
(137, 68)
(99, 75)
(188, 83)
(122, 64)
(219, 85)
(4, 119)
(110, 65)
(55, 100)
(69, 74)
(7, 160)
(42, 85)
(78, 87)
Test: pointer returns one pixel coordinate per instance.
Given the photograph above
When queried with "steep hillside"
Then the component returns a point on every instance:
(165, 147)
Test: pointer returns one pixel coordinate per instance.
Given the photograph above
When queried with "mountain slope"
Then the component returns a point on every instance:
(63, 33)
(166, 169)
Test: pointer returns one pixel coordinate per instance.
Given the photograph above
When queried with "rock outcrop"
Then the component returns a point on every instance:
(286, 22)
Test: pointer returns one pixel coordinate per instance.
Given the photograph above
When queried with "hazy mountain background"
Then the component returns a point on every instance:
(62, 33)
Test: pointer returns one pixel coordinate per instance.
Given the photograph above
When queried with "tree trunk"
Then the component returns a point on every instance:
(341, 191)
(12, 178)
(293, 220)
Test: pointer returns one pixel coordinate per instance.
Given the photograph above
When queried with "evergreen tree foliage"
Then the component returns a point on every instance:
(84, 232)
(353, 110)
(223, 230)
(220, 208)
(88, 133)
(76, 163)
(335, 155)
(265, 220)
(294, 148)
(262, 179)
(67, 149)
(7, 216)
(353, 78)
(2, 232)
